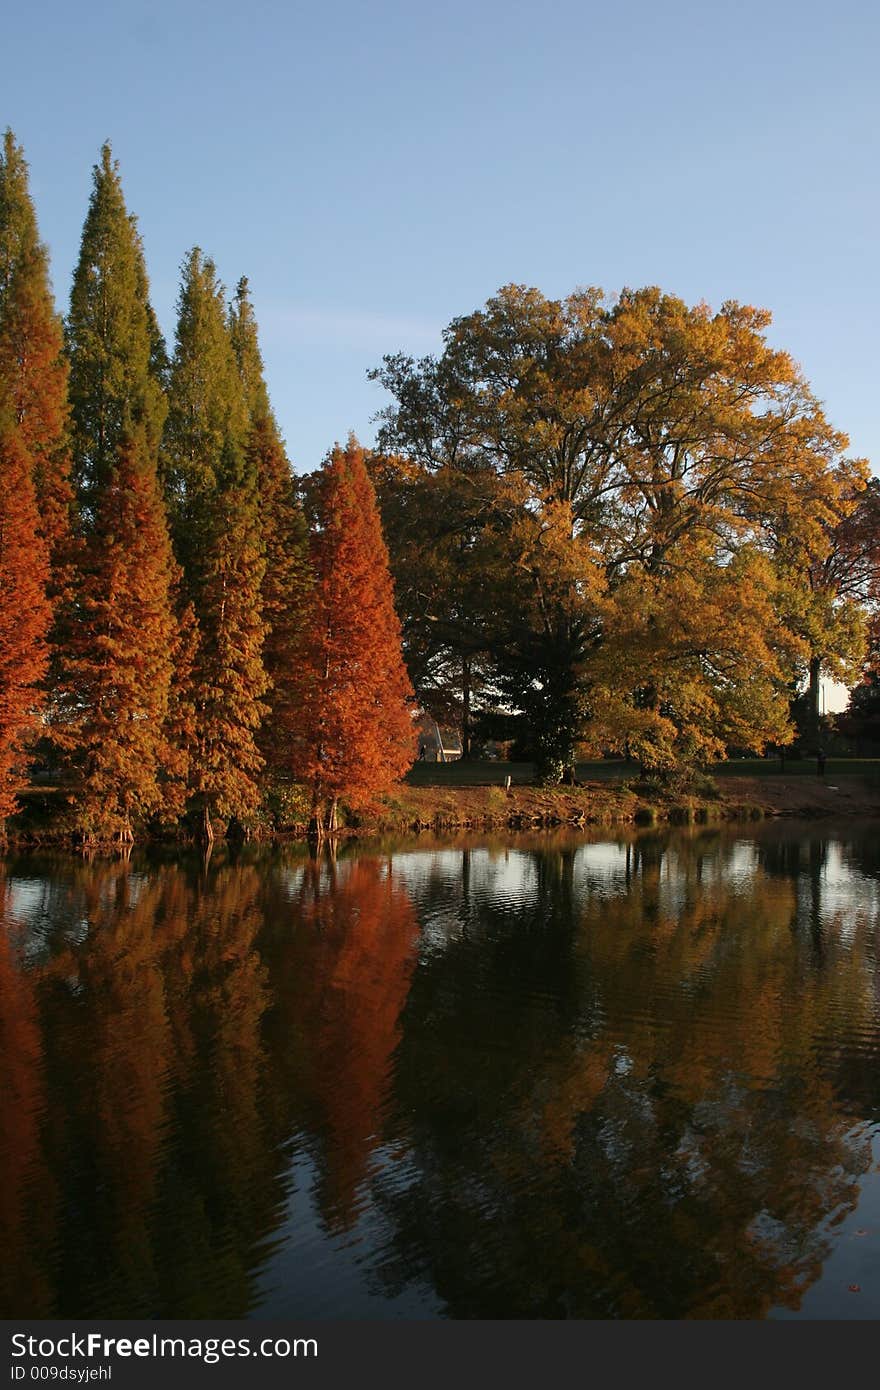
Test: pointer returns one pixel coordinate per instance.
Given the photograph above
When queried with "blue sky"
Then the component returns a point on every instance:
(376, 169)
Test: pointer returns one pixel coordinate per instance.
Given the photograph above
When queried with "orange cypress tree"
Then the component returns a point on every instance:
(119, 663)
(35, 492)
(355, 735)
(24, 610)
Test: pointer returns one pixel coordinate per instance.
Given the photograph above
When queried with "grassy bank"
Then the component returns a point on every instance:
(473, 795)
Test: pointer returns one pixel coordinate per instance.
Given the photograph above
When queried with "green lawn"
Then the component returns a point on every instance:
(487, 774)
(796, 767)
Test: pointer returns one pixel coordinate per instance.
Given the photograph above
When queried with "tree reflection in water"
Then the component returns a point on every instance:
(658, 1131)
(632, 1079)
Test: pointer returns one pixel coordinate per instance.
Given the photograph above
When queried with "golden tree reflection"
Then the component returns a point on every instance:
(668, 1139)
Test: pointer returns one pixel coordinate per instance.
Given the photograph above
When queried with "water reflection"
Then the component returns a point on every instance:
(549, 1078)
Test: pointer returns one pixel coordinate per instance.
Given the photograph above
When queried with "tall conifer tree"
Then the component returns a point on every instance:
(117, 357)
(211, 484)
(24, 610)
(122, 644)
(34, 489)
(355, 731)
(33, 368)
(287, 578)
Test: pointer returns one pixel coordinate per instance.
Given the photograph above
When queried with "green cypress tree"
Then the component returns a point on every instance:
(117, 357)
(212, 488)
(33, 368)
(122, 642)
(286, 583)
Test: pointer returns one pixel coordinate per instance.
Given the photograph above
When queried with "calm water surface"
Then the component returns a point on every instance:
(549, 1078)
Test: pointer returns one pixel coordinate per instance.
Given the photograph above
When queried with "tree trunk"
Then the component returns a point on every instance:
(207, 827)
(316, 821)
(331, 817)
(466, 707)
(815, 691)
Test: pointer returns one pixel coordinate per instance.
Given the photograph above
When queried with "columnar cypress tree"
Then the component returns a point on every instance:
(33, 368)
(117, 358)
(34, 490)
(122, 642)
(24, 609)
(287, 578)
(211, 484)
(355, 732)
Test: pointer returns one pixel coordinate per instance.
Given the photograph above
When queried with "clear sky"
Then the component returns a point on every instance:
(377, 168)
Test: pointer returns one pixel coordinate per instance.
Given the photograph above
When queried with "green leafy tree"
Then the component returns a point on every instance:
(435, 521)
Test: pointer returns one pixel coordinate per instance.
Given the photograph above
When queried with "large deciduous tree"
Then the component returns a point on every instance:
(355, 730)
(212, 485)
(673, 438)
(121, 641)
(437, 522)
(831, 588)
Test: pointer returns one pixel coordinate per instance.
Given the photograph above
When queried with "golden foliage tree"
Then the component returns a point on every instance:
(675, 437)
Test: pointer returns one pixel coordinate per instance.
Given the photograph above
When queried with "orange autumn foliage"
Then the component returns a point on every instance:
(361, 956)
(355, 735)
(24, 612)
(122, 646)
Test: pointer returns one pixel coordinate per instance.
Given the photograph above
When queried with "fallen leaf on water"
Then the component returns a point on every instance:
(855, 1288)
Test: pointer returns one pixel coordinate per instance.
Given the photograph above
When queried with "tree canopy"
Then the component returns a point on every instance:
(640, 470)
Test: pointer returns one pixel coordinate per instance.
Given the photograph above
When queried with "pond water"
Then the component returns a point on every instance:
(539, 1078)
